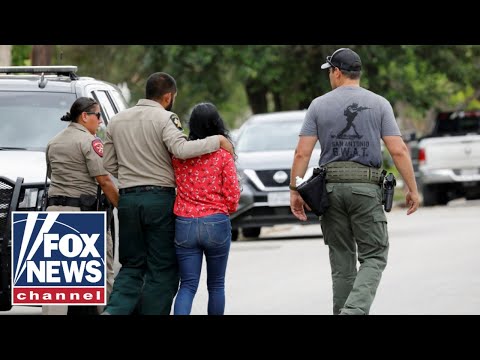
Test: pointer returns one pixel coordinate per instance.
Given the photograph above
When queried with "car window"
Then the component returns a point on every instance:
(105, 104)
(107, 111)
(119, 100)
(30, 119)
(269, 136)
(458, 123)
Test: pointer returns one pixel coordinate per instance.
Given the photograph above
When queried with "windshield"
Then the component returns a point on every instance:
(270, 136)
(31, 119)
(458, 125)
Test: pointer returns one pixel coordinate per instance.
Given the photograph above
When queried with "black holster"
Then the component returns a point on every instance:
(88, 202)
(104, 205)
(388, 191)
(314, 191)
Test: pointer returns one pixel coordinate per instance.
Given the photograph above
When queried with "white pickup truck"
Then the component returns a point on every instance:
(449, 158)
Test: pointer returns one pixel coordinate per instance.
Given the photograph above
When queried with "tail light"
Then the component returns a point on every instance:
(421, 156)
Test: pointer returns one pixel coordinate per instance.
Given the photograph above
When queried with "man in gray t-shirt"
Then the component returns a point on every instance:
(349, 122)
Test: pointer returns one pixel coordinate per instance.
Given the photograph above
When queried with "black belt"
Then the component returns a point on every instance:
(63, 201)
(135, 189)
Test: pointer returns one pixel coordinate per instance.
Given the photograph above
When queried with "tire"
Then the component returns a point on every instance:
(434, 195)
(5, 289)
(251, 232)
(442, 198)
(472, 196)
(5, 299)
(5, 304)
(234, 234)
(429, 196)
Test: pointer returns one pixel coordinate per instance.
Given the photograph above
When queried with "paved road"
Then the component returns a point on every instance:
(433, 268)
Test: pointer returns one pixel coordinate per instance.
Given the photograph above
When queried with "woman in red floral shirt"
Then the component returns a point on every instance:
(207, 192)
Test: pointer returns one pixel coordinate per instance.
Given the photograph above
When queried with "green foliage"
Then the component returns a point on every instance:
(241, 79)
(203, 74)
(466, 97)
(112, 63)
(21, 55)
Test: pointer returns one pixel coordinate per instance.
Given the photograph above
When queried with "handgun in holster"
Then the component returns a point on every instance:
(389, 184)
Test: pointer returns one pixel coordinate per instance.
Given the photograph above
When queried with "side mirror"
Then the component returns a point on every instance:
(409, 136)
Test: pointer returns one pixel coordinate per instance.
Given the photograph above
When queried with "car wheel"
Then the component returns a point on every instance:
(5, 301)
(251, 232)
(234, 234)
(429, 196)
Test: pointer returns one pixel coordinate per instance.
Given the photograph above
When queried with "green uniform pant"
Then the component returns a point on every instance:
(355, 225)
(149, 275)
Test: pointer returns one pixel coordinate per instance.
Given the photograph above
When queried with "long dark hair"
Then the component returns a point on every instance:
(78, 107)
(206, 121)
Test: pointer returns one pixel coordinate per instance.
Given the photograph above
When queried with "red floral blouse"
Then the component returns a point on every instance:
(206, 185)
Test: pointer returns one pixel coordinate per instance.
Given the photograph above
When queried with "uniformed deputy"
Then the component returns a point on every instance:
(74, 165)
(349, 122)
(138, 147)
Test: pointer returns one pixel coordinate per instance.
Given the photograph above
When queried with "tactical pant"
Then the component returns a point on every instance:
(149, 275)
(79, 309)
(355, 225)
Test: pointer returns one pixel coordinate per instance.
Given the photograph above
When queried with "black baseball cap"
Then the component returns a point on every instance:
(344, 59)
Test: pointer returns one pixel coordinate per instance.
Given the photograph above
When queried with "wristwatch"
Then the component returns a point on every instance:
(291, 187)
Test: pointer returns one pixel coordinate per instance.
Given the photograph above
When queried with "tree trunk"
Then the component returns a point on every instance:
(277, 101)
(42, 55)
(5, 55)
(257, 97)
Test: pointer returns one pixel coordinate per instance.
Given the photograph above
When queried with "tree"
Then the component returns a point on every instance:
(42, 54)
(418, 80)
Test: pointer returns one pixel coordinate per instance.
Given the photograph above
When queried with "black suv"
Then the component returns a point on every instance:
(32, 100)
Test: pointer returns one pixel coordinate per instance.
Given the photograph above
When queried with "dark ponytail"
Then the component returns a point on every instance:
(78, 107)
(66, 117)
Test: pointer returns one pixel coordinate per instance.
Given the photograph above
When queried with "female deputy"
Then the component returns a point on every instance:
(75, 166)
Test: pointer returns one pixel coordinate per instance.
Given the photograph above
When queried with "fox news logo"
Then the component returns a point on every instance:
(58, 258)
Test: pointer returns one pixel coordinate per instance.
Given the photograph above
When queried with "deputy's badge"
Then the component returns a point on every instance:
(176, 121)
(97, 146)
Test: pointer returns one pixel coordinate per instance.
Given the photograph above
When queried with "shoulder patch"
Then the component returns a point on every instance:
(176, 121)
(97, 146)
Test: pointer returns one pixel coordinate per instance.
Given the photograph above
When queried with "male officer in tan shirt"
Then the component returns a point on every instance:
(138, 147)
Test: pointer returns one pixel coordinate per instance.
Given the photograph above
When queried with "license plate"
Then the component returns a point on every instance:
(279, 198)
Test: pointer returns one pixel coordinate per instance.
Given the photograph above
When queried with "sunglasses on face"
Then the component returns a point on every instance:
(98, 114)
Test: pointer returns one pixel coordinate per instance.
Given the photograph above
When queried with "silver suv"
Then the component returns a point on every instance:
(265, 146)
(32, 100)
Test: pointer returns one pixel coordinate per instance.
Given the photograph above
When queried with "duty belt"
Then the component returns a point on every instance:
(63, 201)
(352, 172)
(135, 189)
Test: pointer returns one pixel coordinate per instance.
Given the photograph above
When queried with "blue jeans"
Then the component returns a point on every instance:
(210, 235)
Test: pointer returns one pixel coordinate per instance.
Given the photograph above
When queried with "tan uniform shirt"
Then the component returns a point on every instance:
(74, 158)
(139, 143)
